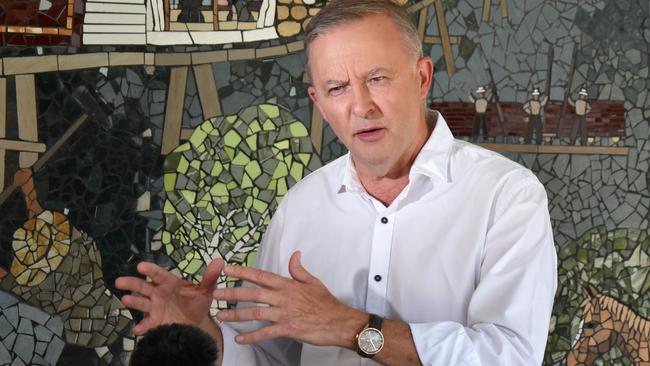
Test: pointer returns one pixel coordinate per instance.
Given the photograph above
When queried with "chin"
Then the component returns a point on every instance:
(371, 159)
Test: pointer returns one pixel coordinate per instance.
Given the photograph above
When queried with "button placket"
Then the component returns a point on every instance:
(379, 262)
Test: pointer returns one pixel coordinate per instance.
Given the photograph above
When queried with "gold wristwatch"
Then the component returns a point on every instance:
(370, 340)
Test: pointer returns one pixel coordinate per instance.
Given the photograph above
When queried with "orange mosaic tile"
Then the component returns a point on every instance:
(40, 24)
(14, 29)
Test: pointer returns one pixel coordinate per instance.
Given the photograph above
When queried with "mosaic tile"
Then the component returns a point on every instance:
(73, 275)
(246, 171)
(584, 191)
(19, 335)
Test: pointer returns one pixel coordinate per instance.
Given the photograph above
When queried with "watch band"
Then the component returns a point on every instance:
(374, 321)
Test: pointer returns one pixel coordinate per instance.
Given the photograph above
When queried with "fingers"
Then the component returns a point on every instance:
(156, 273)
(144, 326)
(250, 313)
(212, 273)
(297, 271)
(256, 276)
(138, 303)
(134, 284)
(248, 294)
(260, 335)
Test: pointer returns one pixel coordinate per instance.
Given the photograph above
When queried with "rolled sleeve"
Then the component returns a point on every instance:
(440, 343)
(509, 311)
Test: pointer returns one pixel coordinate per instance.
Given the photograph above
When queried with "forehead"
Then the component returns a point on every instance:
(359, 45)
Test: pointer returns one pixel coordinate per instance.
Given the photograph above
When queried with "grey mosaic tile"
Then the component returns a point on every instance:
(5, 357)
(24, 347)
(25, 327)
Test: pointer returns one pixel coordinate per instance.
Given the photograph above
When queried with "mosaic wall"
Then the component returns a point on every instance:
(169, 130)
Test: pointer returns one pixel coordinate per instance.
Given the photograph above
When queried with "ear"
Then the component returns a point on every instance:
(313, 95)
(585, 293)
(311, 91)
(593, 291)
(425, 75)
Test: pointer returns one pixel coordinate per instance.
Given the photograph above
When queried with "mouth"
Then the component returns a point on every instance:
(368, 131)
(369, 134)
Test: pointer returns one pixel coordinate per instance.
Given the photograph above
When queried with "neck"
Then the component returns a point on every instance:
(386, 182)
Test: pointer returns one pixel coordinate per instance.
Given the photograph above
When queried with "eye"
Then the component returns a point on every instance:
(591, 325)
(335, 90)
(377, 79)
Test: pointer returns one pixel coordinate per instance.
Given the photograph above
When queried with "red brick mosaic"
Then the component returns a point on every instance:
(23, 24)
(606, 119)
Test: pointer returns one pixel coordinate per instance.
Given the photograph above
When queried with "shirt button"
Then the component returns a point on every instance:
(384, 220)
(377, 278)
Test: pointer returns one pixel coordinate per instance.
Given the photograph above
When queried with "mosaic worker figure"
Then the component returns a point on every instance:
(414, 248)
(480, 106)
(582, 107)
(534, 109)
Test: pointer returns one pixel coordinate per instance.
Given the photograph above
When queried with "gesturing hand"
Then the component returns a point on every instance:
(168, 299)
(301, 307)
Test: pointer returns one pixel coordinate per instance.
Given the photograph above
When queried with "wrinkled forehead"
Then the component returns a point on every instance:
(357, 43)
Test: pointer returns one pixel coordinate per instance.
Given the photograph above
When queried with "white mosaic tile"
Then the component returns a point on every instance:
(260, 34)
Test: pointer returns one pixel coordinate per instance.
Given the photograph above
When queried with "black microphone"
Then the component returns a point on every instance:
(175, 345)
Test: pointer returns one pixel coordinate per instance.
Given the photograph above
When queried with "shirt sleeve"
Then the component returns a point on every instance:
(509, 312)
(279, 351)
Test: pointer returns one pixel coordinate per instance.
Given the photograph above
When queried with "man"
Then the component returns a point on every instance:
(480, 107)
(448, 244)
(534, 109)
(582, 107)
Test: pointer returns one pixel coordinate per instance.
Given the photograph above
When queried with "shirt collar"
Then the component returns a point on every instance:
(432, 160)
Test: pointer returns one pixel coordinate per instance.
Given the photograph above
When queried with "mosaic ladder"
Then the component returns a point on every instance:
(27, 143)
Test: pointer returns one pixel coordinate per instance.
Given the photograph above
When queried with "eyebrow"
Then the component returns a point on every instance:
(332, 82)
(369, 74)
(376, 71)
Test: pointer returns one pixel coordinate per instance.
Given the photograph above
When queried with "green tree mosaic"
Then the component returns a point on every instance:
(224, 184)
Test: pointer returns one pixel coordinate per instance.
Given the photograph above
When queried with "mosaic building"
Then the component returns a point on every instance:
(169, 130)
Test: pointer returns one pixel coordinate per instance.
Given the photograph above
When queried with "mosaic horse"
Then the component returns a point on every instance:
(608, 323)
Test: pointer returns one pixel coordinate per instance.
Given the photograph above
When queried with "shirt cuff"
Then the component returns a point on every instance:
(235, 354)
(443, 343)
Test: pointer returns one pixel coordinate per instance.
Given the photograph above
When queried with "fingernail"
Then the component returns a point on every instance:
(239, 339)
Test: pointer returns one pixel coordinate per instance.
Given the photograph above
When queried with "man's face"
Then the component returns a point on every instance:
(535, 96)
(371, 90)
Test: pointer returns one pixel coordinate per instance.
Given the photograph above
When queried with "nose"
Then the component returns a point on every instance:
(363, 105)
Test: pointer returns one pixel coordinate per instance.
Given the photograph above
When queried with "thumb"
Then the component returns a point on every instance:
(297, 271)
(212, 273)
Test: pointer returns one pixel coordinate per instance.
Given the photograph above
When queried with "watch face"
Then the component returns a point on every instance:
(371, 341)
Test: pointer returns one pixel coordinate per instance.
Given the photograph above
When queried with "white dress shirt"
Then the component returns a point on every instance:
(465, 256)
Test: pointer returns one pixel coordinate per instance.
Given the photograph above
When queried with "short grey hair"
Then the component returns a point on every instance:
(340, 12)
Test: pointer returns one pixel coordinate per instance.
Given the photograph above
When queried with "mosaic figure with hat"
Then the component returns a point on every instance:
(480, 105)
(534, 109)
(582, 107)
